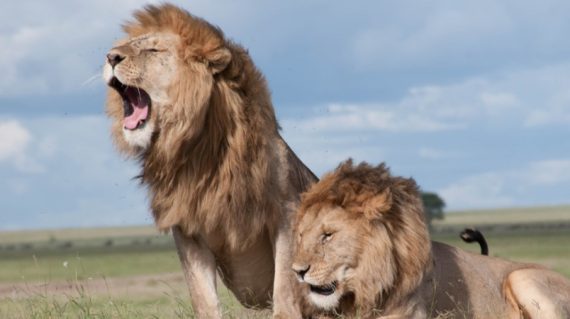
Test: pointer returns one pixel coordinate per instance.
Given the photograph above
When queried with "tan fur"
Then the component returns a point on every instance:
(216, 169)
(364, 230)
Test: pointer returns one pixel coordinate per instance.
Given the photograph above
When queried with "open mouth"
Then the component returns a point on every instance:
(136, 104)
(325, 290)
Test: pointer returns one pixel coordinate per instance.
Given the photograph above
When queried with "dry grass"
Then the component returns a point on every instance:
(153, 296)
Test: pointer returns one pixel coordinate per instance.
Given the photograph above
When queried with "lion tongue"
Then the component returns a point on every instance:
(139, 103)
(132, 121)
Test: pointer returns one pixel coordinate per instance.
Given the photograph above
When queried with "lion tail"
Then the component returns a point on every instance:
(470, 235)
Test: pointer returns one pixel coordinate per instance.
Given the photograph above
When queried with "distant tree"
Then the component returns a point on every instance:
(433, 206)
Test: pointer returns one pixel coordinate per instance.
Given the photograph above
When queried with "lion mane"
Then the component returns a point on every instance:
(193, 109)
(210, 160)
(370, 193)
(362, 248)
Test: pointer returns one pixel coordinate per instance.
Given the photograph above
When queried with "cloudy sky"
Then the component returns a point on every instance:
(472, 99)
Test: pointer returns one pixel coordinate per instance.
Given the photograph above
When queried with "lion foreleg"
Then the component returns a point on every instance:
(285, 302)
(199, 267)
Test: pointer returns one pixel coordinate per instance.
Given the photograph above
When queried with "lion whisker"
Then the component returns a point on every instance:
(91, 79)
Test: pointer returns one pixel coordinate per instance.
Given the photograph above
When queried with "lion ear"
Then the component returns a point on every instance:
(377, 206)
(218, 59)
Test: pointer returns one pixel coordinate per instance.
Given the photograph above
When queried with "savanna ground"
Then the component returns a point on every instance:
(134, 272)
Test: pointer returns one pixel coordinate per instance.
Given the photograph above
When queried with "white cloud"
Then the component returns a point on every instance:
(480, 191)
(459, 65)
(57, 47)
(15, 147)
(323, 152)
(448, 35)
(354, 117)
(500, 100)
(431, 33)
(46, 58)
(510, 187)
(496, 103)
(83, 180)
(554, 113)
(14, 141)
(505, 99)
(547, 172)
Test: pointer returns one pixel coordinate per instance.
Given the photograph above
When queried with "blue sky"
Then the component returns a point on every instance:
(472, 99)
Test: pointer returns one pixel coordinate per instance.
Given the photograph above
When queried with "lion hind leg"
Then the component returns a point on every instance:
(538, 293)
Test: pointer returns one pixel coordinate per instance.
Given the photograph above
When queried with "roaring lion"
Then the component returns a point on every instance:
(196, 113)
(362, 249)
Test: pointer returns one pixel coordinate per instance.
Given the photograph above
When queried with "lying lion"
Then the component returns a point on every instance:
(192, 108)
(362, 248)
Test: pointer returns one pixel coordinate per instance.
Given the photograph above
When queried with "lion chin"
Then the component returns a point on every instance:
(140, 137)
(325, 296)
(325, 286)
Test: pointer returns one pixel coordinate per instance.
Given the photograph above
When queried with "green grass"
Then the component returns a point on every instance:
(79, 263)
(81, 305)
(76, 256)
(549, 248)
(82, 264)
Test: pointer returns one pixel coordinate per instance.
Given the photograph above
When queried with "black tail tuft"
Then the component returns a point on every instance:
(470, 235)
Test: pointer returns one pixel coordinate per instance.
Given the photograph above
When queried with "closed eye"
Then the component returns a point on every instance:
(153, 50)
(325, 237)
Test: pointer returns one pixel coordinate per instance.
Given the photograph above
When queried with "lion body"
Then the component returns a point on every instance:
(217, 171)
(468, 285)
(362, 249)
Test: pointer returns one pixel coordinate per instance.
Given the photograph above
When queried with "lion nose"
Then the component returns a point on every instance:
(114, 58)
(301, 270)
